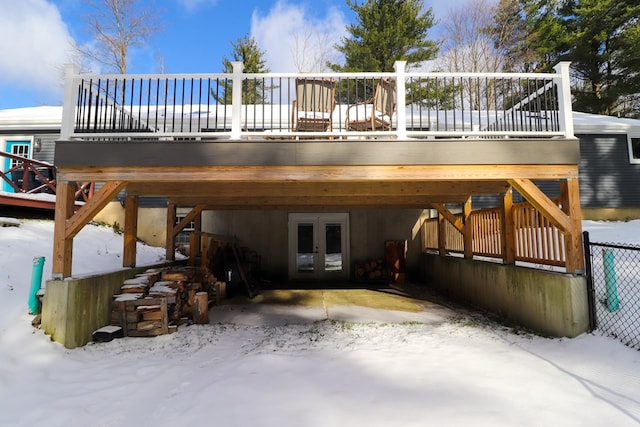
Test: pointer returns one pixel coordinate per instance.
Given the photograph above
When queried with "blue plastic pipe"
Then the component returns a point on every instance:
(610, 280)
(36, 281)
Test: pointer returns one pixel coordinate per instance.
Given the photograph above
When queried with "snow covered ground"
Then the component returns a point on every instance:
(453, 370)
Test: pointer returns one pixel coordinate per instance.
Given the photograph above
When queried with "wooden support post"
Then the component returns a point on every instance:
(570, 195)
(442, 234)
(507, 229)
(204, 251)
(467, 232)
(67, 224)
(201, 309)
(192, 249)
(170, 245)
(130, 231)
(197, 227)
(63, 244)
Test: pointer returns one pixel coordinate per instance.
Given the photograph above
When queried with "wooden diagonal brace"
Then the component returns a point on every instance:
(542, 203)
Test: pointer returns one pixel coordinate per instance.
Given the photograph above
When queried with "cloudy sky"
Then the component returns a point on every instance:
(38, 38)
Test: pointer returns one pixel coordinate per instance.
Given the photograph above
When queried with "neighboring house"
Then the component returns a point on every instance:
(32, 132)
(609, 166)
(28, 132)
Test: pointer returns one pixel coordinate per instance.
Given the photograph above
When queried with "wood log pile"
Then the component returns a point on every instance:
(372, 271)
(391, 269)
(157, 301)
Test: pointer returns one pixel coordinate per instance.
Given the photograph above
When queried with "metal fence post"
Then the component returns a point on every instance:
(610, 280)
(591, 293)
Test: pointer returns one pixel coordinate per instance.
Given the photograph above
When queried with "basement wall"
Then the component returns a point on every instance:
(549, 303)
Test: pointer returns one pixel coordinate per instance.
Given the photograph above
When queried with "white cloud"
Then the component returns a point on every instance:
(295, 41)
(34, 46)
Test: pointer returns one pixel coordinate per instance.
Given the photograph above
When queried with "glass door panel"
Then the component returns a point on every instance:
(318, 247)
(333, 247)
(305, 252)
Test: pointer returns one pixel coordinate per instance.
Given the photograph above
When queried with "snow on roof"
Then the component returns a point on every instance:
(31, 117)
(595, 123)
(51, 116)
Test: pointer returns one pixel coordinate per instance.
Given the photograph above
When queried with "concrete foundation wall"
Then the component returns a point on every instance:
(552, 304)
(74, 308)
(152, 222)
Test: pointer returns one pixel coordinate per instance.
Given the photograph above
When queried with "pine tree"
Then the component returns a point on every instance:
(245, 50)
(386, 31)
(601, 38)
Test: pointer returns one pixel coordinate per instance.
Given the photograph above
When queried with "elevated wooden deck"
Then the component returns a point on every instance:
(278, 169)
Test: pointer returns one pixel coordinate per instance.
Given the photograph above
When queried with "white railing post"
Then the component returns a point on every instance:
(564, 98)
(401, 108)
(71, 72)
(236, 100)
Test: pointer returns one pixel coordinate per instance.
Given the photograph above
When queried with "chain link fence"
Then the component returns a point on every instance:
(613, 278)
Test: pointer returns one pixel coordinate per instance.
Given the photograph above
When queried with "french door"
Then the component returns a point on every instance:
(319, 246)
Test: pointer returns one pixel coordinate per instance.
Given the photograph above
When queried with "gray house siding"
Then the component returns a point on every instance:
(607, 178)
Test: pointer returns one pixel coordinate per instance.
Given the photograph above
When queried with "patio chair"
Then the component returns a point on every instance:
(374, 113)
(314, 105)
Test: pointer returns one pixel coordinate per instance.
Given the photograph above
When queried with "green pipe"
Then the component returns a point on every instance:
(36, 282)
(610, 280)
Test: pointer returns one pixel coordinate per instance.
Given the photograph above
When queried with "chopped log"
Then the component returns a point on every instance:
(147, 325)
(174, 276)
(152, 315)
(201, 309)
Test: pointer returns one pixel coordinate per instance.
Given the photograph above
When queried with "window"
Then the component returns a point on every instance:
(183, 237)
(634, 149)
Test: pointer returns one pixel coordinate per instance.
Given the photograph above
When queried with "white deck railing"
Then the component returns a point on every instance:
(204, 106)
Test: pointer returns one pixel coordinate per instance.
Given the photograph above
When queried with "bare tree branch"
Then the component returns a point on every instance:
(116, 26)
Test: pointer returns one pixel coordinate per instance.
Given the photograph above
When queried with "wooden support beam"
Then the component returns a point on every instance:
(130, 231)
(542, 203)
(446, 213)
(373, 188)
(170, 245)
(467, 233)
(507, 229)
(332, 173)
(193, 215)
(107, 192)
(570, 196)
(62, 243)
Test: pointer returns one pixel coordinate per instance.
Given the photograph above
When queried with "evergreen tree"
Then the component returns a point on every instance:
(601, 38)
(245, 50)
(605, 52)
(386, 31)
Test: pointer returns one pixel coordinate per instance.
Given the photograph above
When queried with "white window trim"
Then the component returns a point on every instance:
(630, 138)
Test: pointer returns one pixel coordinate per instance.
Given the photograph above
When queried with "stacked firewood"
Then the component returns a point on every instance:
(158, 301)
(372, 270)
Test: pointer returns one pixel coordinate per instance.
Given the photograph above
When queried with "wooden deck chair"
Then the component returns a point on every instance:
(375, 113)
(314, 105)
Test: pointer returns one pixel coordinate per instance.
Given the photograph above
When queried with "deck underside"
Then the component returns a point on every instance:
(313, 175)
